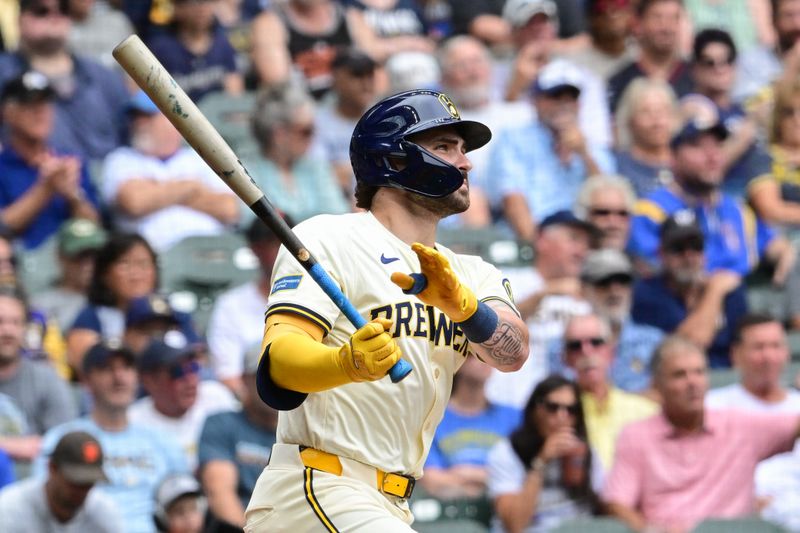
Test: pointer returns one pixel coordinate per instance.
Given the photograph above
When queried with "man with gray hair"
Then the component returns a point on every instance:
(688, 463)
(607, 278)
(607, 201)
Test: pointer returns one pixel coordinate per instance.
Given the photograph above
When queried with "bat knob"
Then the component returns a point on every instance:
(400, 370)
(420, 283)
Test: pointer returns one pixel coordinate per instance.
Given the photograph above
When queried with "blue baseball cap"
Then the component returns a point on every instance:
(141, 103)
(101, 353)
(700, 117)
(165, 353)
(156, 307)
(567, 218)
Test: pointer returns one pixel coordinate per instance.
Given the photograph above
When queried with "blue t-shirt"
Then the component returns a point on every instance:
(135, 461)
(198, 75)
(461, 439)
(231, 437)
(16, 177)
(754, 162)
(655, 304)
(735, 239)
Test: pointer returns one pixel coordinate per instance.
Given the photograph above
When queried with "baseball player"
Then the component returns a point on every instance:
(350, 442)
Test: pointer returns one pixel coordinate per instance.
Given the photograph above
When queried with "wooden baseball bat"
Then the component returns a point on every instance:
(140, 63)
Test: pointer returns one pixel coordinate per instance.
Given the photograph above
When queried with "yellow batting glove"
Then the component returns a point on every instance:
(440, 286)
(370, 353)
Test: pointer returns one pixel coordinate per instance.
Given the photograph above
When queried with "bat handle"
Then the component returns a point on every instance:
(401, 368)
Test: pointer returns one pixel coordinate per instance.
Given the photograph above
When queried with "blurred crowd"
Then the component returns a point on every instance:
(647, 151)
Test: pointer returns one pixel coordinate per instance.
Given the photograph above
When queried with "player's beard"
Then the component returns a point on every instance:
(454, 203)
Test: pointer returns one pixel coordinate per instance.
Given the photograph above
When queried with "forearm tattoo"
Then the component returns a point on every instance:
(505, 344)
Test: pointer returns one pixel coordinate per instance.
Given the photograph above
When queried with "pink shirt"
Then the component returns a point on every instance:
(682, 480)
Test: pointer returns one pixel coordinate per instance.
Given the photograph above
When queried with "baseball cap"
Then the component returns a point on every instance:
(164, 353)
(556, 76)
(101, 353)
(141, 103)
(174, 487)
(79, 458)
(680, 226)
(354, 61)
(602, 264)
(412, 70)
(150, 307)
(78, 235)
(519, 12)
(699, 117)
(567, 218)
(30, 86)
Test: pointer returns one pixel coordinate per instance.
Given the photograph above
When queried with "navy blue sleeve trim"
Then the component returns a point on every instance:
(273, 395)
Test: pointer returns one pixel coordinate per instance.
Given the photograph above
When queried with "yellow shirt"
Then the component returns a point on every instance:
(604, 423)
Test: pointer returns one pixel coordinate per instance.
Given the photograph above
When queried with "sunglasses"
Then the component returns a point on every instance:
(614, 279)
(710, 62)
(183, 369)
(45, 11)
(554, 407)
(573, 345)
(601, 212)
(685, 246)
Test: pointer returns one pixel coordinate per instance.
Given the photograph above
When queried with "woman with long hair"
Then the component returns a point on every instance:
(125, 268)
(541, 476)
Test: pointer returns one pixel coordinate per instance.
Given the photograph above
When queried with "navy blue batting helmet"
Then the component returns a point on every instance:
(383, 131)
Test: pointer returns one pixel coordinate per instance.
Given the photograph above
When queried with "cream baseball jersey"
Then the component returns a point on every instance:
(383, 424)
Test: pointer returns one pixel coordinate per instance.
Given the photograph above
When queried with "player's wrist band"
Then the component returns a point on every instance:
(479, 327)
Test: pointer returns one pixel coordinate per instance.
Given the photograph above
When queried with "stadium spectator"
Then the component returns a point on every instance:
(762, 65)
(540, 167)
(534, 29)
(235, 447)
(544, 472)
(547, 294)
(689, 463)
(466, 66)
(607, 201)
(153, 317)
(406, 71)
(40, 188)
(734, 238)
(657, 30)
(760, 352)
(778, 489)
(776, 195)
(180, 505)
(178, 402)
(196, 52)
(607, 277)
(482, 19)
(66, 500)
(686, 299)
(43, 397)
(353, 91)
(237, 321)
(299, 39)
(89, 98)
(160, 188)
(610, 47)
(713, 70)
(136, 456)
(125, 268)
(400, 23)
(97, 27)
(588, 353)
(456, 464)
(645, 123)
(17, 443)
(296, 181)
(78, 241)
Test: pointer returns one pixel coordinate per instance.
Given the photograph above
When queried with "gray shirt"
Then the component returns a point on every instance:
(43, 396)
(23, 508)
(61, 304)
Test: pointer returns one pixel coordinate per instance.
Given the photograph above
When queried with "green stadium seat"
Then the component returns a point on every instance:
(493, 244)
(204, 267)
(450, 526)
(739, 525)
(600, 524)
(38, 268)
(231, 116)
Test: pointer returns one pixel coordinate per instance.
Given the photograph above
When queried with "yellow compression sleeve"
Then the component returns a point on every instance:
(298, 360)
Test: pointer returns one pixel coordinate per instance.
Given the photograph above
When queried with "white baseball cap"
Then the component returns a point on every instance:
(519, 12)
(556, 75)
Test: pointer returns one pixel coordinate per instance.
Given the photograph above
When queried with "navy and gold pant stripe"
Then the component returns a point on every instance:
(308, 488)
